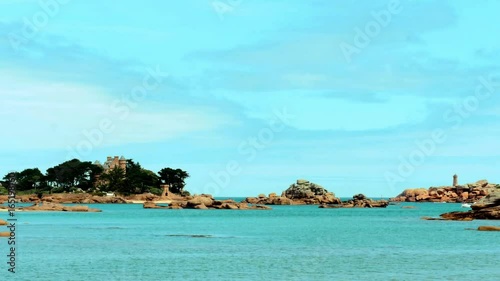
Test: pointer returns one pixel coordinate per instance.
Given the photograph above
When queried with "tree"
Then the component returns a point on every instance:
(138, 179)
(30, 179)
(9, 178)
(73, 173)
(174, 178)
(26, 180)
(115, 180)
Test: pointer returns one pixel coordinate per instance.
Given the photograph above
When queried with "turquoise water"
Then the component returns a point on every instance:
(127, 242)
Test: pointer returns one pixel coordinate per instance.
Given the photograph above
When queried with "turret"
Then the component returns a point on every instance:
(122, 163)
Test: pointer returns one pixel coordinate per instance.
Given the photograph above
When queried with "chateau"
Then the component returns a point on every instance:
(112, 162)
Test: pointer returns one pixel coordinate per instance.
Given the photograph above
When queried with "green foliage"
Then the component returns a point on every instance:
(115, 180)
(73, 173)
(77, 176)
(174, 178)
(28, 179)
(155, 190)
(138, 179)
(498, 186)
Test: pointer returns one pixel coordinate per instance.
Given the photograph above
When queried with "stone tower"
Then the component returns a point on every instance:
(166, 190)
(122, 163)
(455, 180)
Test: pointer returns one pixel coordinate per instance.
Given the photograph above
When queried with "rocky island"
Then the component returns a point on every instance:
(204, 202)
(303, 192)
(358, 201)
(467, 193)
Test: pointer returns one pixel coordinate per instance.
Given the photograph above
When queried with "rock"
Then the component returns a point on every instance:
(262, 195)
(408, 207)
(200, 200)
(488, 228)
(261, 207)
(358, 203)
(432, 219)
(201, 207)
(76, 209)
(481, 183)
(5, 234)
(465, 195)
(229, 206)
(471, 192)
(251, 200)
(304, 189)
(490, 200)
(458, 216)
(2, 222)
(272, 195)
(359, 197)
(58, 208)
(174, 207)
(280, 201)
(490, 213)
(149, 205)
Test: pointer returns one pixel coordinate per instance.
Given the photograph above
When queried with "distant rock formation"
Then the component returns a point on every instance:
(45, 207)
(300, 193)
(358, 201)
(467, 193)
(203, 202)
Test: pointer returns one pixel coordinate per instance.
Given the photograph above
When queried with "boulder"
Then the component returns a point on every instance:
(251, 200)
(488, 228)
(201, 207)
(5, 234)
(2, 222)
(359, 197)
(200, 200)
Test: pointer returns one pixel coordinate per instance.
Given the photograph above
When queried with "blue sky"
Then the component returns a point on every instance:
(250, 95)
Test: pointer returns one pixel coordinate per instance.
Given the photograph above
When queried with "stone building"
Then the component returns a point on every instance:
(112, 162)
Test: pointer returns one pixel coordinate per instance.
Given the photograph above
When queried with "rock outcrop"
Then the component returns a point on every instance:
(204, 202)
(300, 193)
(54, 207)
(358, 201)
(467, 193)
(487, 208)
(488, 228)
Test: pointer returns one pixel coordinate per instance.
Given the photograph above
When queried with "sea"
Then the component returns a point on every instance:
(127, 242)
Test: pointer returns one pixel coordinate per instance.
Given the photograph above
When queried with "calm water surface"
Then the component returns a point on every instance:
(127, 242)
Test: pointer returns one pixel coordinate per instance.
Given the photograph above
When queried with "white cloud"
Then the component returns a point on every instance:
(41, 114)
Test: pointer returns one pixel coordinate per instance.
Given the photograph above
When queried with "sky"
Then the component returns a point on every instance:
(248, 96)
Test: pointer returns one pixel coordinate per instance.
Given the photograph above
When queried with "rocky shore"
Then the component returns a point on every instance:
(468, 193)
(487, 208)
(358, 201)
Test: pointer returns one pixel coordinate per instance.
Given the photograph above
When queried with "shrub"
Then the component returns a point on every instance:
(155, 190)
